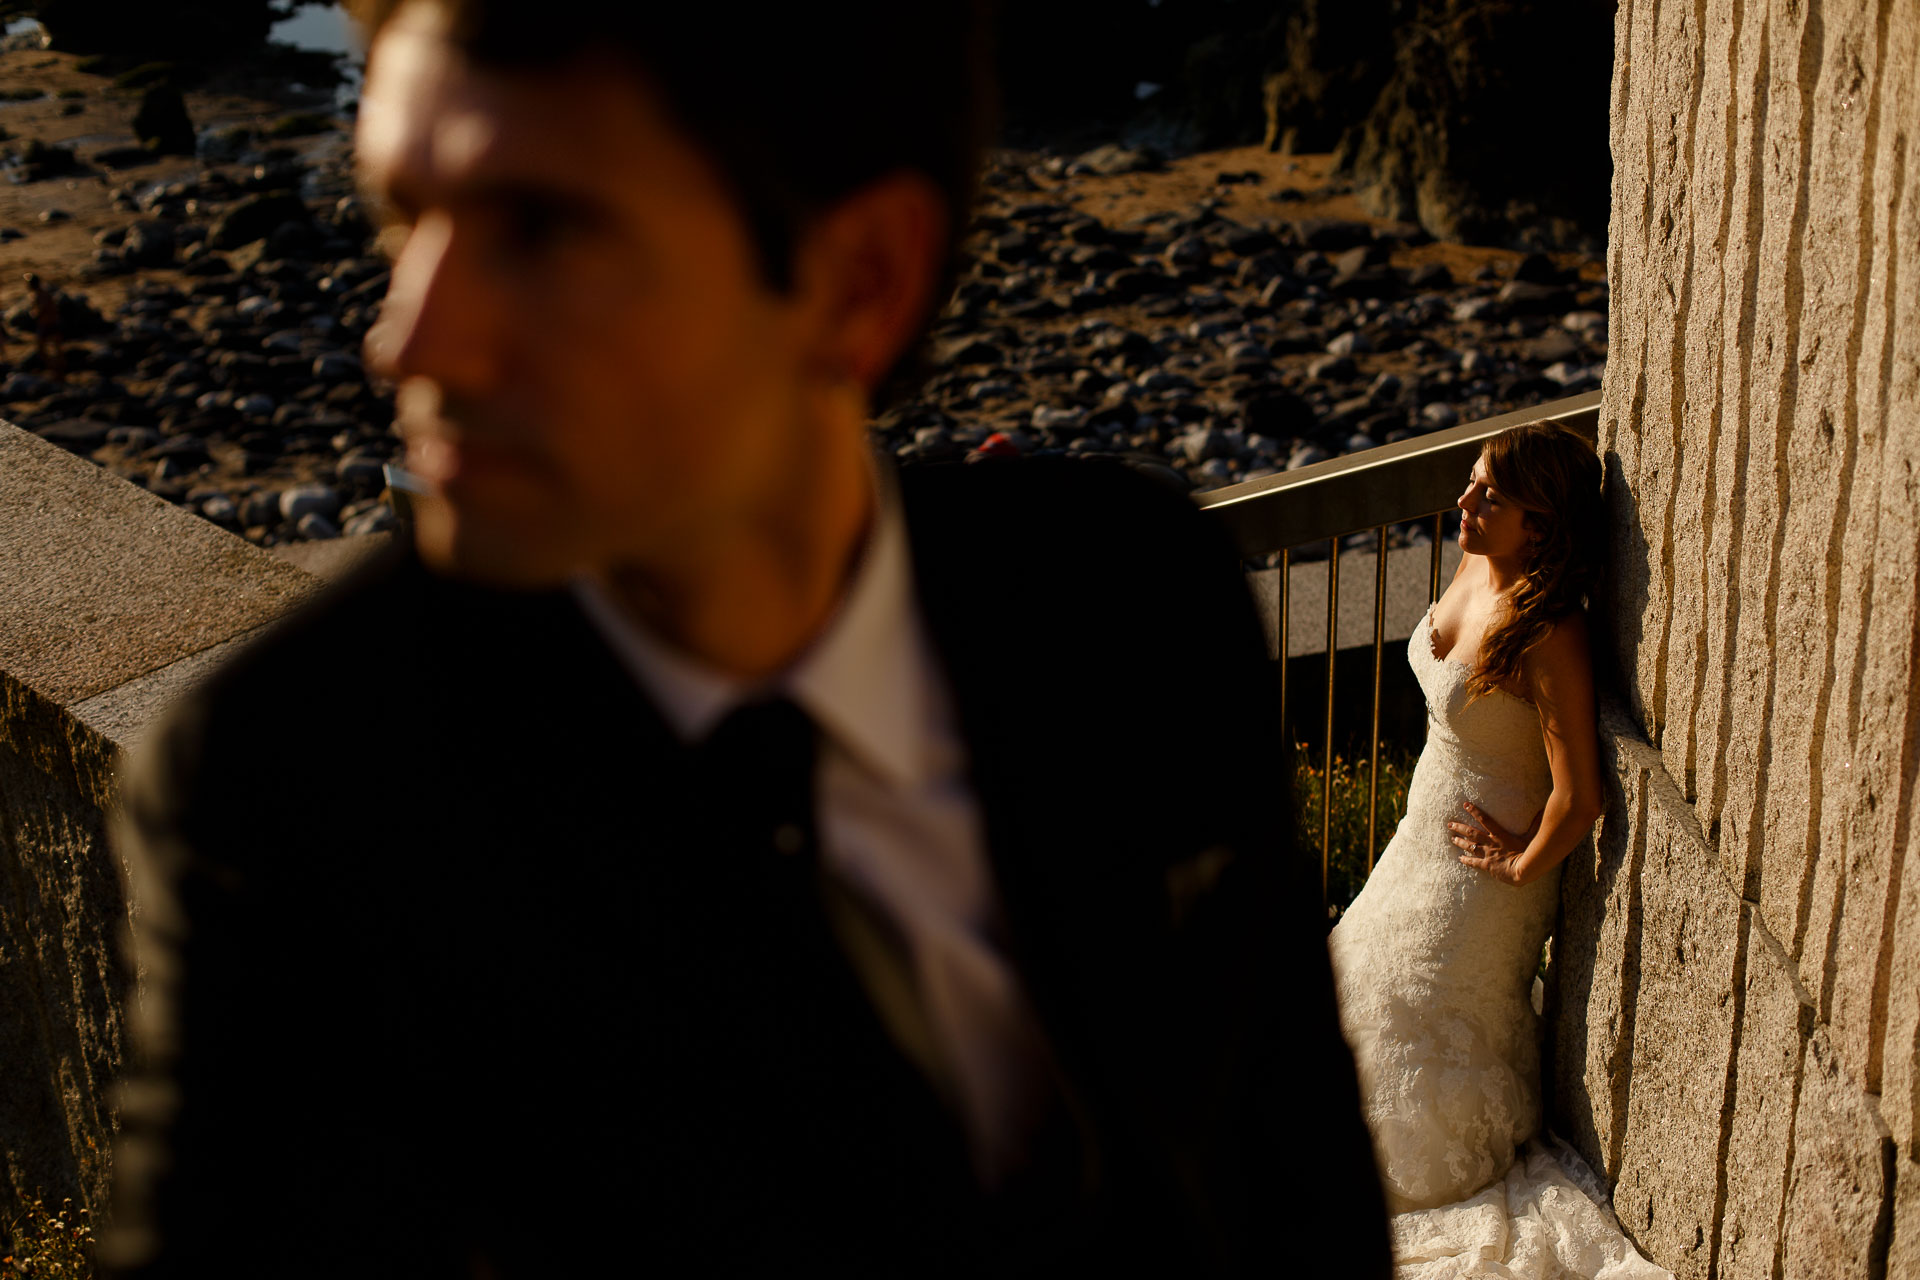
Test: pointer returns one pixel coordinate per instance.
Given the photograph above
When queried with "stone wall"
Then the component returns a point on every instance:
(111, 602)
(1737, 1040)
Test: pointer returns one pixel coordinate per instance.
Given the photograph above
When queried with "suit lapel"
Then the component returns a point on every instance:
(974, 626)
(971, 632)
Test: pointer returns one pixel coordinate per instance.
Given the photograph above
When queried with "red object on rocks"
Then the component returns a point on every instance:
(997, 445)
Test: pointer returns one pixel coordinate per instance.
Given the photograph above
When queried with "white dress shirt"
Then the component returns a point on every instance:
(898, 819)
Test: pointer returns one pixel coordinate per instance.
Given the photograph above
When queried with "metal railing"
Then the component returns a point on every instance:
(1416, 479)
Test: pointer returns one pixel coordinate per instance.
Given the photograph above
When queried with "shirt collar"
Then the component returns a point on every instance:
(692, 697)
(869, 680)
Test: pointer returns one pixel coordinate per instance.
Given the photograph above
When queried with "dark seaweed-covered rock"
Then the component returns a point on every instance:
(254, 218)
(148, 243)
(41, 160)
(162, 124)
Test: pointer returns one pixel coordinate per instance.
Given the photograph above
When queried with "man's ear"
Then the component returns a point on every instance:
(866, 270)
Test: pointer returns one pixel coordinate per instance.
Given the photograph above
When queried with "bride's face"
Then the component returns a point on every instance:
(1491, 524)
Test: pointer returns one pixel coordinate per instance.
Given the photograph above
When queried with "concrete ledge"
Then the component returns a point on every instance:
(105, 582)
(112, 603)
(123, 714)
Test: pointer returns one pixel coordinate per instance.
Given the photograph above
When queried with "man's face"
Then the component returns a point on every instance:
(590, 372)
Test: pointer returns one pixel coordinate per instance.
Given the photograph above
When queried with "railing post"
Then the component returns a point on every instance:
(1439, 536)
(1326, 780)
(1379, 653)
(1286, 628)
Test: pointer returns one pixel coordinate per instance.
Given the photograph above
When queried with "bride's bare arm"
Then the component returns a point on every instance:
(1560, 673)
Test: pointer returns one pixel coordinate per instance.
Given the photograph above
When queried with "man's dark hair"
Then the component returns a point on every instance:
(798, 104)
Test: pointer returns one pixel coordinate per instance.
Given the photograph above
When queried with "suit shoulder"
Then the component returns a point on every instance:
(352, 621)
(318, 681)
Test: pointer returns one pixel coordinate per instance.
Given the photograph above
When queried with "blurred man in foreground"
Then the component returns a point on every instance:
(706, 849)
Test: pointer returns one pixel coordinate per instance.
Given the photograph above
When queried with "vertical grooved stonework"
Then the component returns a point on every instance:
(1895, 369)
(1719, 561)
(1676, 737)
(1755, 1091)
(1770, 586)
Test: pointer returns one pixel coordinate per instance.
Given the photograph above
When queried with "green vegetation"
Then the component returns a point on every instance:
(49, 1245)
(1347, 866)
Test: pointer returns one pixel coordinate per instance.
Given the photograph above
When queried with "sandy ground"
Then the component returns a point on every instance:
(1315, 193)
(96, 117)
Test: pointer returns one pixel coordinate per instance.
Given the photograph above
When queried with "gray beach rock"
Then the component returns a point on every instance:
(315, 527)
(309, 499)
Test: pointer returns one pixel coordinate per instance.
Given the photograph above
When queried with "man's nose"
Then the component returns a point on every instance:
(436, 321)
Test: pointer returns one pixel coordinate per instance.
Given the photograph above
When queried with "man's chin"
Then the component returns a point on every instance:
(463, 545)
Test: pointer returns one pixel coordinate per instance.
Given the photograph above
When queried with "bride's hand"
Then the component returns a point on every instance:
(1490, 847)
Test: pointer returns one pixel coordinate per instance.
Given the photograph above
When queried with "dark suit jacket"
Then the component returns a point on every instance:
(445, 976)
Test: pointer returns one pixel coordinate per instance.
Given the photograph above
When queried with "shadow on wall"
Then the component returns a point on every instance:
(1596, 978)
(1629, 575)
(1597, 940)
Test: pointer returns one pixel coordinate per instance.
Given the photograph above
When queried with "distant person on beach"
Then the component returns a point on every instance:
(46, 327)
(702, 848)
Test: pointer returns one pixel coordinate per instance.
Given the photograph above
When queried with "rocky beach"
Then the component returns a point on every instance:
(1212, 316)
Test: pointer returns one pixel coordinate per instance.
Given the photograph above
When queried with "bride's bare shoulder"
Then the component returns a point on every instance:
(1563, 657)
(1569, 635)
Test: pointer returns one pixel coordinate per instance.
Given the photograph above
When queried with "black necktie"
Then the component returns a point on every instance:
(762, 756)
(760, 760)
(760, 765)
(793, 1022)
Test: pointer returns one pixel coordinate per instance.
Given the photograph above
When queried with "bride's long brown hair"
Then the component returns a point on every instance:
(1553, 475)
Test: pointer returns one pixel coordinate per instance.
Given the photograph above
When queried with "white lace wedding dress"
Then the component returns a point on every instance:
(1435, 964)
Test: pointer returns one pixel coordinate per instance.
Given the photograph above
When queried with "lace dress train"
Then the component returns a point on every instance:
(1434, 964)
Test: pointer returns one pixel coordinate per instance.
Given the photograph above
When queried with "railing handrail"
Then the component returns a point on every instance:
(1396, 482)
